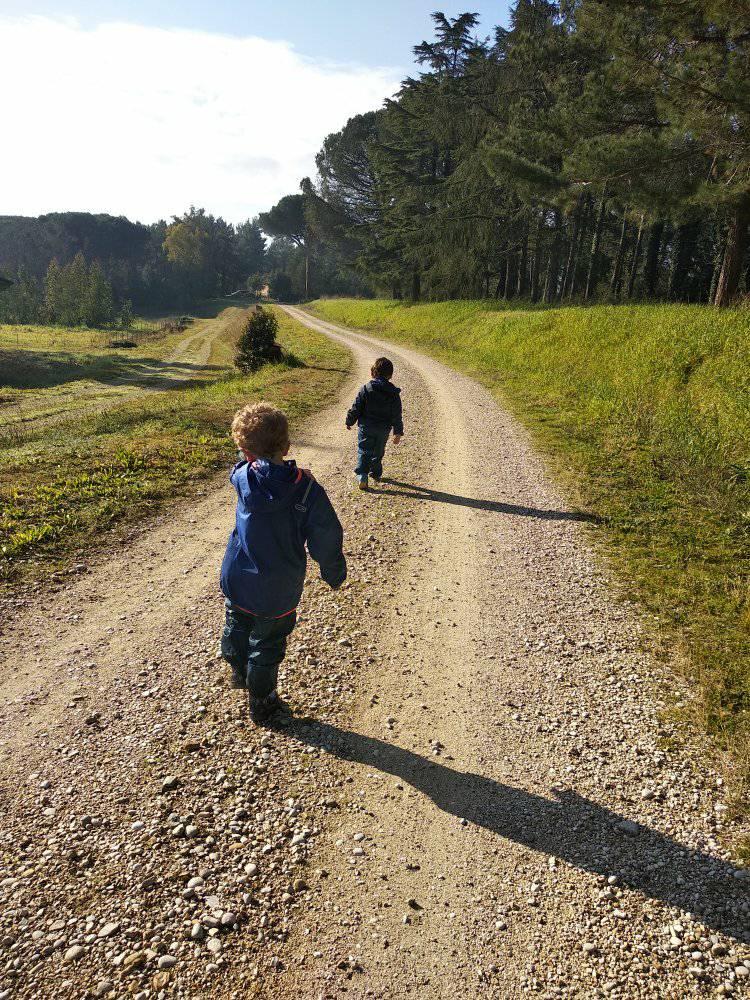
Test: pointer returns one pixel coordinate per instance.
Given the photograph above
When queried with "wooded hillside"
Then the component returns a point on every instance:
(165, 265)
(595, 149)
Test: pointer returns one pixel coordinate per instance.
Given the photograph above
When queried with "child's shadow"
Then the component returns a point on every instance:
(570, 827)
(496, 506)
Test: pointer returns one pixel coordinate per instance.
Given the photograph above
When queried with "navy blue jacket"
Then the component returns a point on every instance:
(279, 511)
(378, 404)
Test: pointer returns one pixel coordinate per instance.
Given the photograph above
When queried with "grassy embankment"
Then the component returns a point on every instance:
(645, 412)
(78, 467)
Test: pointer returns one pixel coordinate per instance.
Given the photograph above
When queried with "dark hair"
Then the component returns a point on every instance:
(383, 368)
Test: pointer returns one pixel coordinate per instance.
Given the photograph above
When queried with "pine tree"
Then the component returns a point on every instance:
(52, 291)
(251, 247)
(594, 149)
(98, 306)
(288, 219)
(126, 315)
(74, 286)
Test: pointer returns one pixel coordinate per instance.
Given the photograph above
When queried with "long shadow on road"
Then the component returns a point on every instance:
(569, 827)
(496, 506)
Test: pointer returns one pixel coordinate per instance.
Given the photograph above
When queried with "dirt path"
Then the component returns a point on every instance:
(196, 348)
(24, 413)
(475, 798)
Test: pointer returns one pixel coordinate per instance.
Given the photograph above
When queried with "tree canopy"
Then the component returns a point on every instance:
(592, 149)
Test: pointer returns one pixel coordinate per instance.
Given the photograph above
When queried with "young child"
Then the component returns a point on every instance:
(280, 509)
(377, 411)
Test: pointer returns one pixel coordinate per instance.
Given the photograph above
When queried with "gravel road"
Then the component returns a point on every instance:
(477, 796)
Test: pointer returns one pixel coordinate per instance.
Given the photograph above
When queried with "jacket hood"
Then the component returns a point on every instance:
(265, 486)
(382, 385)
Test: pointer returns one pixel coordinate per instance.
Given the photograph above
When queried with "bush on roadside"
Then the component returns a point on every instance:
(257, 344)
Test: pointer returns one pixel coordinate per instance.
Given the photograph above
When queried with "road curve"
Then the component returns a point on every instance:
(519, 788)
(476, 796)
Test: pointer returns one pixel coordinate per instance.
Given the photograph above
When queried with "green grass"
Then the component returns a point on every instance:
(645, 413)
(42, 357)
(62, 489)
(56, 372)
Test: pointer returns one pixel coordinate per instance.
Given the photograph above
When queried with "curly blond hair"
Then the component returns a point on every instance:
(261, 429)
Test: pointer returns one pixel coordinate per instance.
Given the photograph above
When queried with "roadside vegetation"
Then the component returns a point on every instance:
(644, 411)
(50, 373)
(63, 485)
(257, 344)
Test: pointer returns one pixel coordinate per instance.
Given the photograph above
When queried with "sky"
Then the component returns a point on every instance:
(145, 108)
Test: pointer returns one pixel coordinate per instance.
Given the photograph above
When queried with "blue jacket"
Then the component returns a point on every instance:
(279, 510)
(378, 404)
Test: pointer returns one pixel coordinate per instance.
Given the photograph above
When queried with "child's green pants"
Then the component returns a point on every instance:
(255, 647)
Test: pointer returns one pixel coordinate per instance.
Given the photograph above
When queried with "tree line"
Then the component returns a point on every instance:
(83, 269)
(76, 268)
(593, 150)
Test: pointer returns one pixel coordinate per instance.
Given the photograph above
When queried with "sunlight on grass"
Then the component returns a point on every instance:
(645, 411)
(59, 492)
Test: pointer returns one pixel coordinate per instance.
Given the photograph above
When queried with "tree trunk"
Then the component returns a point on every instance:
(553, 264)
(522, 282)
(592, 276)
(416, 285)
(636, 256)
(510, 273)
(682, 256)
(716, 271)
(734, 254)
(501, 282)
(651, 264)
(583, 226)
(536, 254)
(575, 218)
(614, 285)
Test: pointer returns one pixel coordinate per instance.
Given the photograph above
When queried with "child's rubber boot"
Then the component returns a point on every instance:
(237, 683)
(363, 484)
(262, 710)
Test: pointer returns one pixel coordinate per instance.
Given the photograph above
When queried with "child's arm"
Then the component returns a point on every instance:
(356, 409)
(325, 539)
(398, 422)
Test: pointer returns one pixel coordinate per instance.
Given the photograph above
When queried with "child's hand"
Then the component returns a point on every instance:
(397, 438)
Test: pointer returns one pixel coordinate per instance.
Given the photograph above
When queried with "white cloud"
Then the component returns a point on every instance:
(144, 121)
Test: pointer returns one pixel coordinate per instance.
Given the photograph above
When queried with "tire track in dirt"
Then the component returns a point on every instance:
(181, 366)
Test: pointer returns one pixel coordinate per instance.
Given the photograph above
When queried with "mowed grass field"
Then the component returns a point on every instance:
(84, 465)
(644, 411)
(48, 373)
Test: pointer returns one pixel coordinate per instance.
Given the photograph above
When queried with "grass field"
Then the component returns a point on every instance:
(65, 481)
(645, 413)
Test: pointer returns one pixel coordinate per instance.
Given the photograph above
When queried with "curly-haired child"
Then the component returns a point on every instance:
(281, 511)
